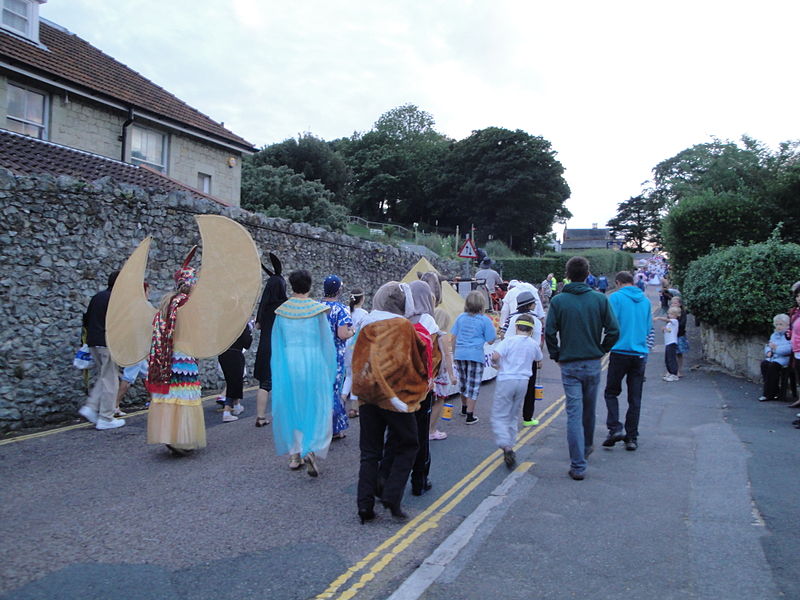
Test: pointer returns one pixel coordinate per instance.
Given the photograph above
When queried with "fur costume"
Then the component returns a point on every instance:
(389, 363)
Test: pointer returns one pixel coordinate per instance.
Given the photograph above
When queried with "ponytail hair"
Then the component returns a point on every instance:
(356, 296)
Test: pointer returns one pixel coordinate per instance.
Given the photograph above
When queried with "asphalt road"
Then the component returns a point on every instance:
(706, 508)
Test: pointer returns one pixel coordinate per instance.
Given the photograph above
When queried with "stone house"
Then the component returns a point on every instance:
(58, 88)
(583, 239)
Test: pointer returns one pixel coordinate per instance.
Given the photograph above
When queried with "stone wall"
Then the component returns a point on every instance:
(59, 240)
(741, 355)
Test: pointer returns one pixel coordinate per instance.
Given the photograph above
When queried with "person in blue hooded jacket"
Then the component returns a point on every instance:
(627, 360)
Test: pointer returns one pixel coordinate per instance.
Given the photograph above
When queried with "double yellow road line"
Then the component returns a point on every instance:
(374, 562)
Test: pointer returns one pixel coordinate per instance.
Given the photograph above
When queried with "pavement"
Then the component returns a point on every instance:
(705, 508)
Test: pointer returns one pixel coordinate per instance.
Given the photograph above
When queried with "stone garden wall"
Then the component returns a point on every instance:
(59, 240)
(739, 354)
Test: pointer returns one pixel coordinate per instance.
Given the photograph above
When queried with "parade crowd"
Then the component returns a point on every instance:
(325, 362)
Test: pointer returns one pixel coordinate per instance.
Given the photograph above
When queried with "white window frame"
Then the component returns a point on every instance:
(31, 16)
(162, 168)
(202, 178)
(45, 109)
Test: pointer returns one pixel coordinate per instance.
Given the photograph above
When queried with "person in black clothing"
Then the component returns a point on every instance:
(232, 363)
(99, 406)
(273, 296)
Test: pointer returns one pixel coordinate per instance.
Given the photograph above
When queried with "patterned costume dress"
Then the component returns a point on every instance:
(339, 316)
(175, 416)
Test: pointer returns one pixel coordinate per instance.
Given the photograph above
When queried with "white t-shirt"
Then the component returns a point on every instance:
(358, 316)
(536, 334)
(517, 354)
(510, 301)
(671, 332)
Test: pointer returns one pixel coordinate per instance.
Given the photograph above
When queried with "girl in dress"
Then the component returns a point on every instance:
(342, 330)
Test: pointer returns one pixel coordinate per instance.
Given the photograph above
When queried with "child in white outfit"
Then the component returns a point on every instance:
(514, 357)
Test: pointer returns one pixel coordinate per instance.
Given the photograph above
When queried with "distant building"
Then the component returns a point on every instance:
(584, 239)
(58, 88)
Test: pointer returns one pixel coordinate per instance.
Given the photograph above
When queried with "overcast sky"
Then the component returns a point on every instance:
(615, 86)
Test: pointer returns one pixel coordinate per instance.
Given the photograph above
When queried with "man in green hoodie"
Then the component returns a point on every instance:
(581, 328)
(628, 360)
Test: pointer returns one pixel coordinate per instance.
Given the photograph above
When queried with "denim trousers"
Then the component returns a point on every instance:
(581, 380)
(631, 368)
(671, 358)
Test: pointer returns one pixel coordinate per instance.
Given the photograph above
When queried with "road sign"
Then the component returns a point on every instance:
(468, 249)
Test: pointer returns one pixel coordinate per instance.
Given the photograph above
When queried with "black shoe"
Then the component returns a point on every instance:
(612, 439)
(631, 445)
(420, 487)
(397, 512)
(510, 459)
(366, 514)
(575, 475)
(587, 451)
(471, 419)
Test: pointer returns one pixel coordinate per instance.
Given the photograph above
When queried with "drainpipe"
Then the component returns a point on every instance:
(124, 137)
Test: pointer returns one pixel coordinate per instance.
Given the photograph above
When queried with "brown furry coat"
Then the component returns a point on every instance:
(389, 362)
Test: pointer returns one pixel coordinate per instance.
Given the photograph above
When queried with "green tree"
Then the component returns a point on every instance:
(507, 183)
(281, 192)
(709, 220)
(314, 159)
(395, 166)
(638, 221)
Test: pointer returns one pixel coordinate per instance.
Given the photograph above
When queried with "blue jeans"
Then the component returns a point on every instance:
(632, 369)
(581, 380)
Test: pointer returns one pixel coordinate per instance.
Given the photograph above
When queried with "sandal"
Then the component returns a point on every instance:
(352, 413)
(295, 462)
(339, 436)
(261, 422)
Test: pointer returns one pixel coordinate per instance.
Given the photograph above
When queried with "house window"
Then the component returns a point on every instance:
(149, 147)
(204, 183)
(22, 17)
(26, 111)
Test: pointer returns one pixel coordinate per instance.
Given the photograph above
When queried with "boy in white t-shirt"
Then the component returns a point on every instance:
(514, 357)
(671, 342)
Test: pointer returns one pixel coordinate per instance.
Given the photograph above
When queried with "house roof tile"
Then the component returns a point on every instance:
(68, 58)
(23, 155)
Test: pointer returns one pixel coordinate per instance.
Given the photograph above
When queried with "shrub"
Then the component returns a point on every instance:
(535, 269)
(698, 223)
(740, 288)
(497, 249)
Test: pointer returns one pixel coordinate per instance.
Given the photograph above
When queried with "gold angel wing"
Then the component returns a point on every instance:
(129, 320)
(226, 292)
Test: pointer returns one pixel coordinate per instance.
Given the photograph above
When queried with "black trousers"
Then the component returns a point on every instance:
(771, 373)
(530, 396)
(632, 369)
(375, 424)
(671, 358)
(232, 363)
(422, 461)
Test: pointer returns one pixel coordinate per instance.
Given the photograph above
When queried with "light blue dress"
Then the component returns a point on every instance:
(303, 368)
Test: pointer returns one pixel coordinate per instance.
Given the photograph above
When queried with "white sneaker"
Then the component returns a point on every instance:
(228, 417)
(88, 413)
(238, 409)
(112, 424)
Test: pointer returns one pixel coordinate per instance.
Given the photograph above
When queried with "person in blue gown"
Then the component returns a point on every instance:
(303, 366)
